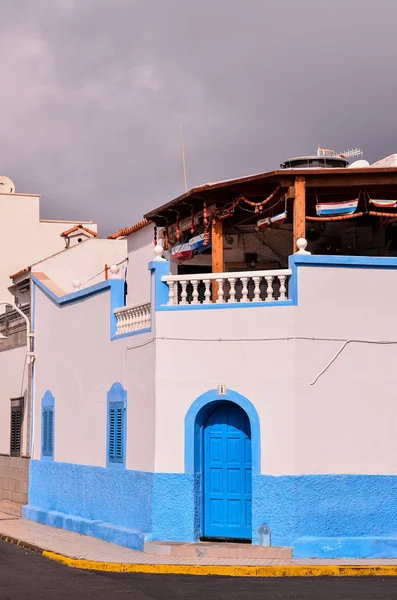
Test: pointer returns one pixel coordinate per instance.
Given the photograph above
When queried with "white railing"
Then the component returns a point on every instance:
(132, 318)
(242, 287)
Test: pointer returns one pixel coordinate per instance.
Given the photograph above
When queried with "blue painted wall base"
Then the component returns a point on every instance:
(116, 505)
(328, 516)
(124, 536)
(319, 516)
(346, 547)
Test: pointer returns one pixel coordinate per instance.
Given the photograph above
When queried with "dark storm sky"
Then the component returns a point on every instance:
(93, 93)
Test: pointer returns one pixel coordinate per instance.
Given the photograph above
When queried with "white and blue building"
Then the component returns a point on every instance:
(160, 413)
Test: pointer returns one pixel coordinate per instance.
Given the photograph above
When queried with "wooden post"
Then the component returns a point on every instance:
(299, 211)
(217, 254)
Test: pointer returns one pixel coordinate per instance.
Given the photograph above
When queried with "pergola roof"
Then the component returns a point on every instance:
(331, 181)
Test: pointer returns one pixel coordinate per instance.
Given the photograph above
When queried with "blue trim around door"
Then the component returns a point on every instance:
(194, 421)
(194, 437)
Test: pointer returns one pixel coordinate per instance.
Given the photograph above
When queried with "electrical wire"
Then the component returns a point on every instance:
(103, 270)
(344, 341)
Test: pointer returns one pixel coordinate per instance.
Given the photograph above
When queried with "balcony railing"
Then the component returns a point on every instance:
(132, 318)
(242, 287)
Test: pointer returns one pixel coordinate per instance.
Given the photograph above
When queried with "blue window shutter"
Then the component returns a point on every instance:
(47, 424)
(111, 433)
(116, 427)
(48, 431)
(116, 432)
(50, 446)
(45, 433)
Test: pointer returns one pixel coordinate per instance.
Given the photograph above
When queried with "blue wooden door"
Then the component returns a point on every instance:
(227, 481)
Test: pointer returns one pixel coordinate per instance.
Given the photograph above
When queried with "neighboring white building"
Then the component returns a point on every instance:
(25, 238)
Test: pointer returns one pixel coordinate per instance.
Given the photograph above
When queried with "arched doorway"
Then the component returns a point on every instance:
(227, 473)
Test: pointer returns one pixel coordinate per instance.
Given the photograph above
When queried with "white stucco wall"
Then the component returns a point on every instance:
(342, 424)
(78, 363)
(24, 239)
(85, 261)
(140, 253)
(14, 381)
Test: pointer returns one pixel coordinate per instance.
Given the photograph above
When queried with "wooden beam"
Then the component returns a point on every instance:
(217, 254)
(299, 211)
(186, 223)
(351, 180)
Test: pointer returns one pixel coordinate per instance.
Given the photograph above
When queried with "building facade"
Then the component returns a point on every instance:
(25, 239)
(199, 418)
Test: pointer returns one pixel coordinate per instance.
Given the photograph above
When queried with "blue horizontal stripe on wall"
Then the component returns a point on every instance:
(323, 516)
(353, 512)
(119, 497)
(102, 502)
(175, 514)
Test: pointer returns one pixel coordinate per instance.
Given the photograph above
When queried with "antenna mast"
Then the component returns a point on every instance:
(183, 160)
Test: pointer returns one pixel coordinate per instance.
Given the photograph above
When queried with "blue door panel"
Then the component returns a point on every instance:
(227, 484)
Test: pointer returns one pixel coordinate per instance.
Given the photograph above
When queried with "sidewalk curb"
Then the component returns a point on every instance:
(219, 570)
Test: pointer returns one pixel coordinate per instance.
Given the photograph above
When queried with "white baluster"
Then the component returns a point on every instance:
(195, 294)
(257, 290)
(283, 289)
(269, 296)
(147, 318)
(133, 320)
(184, 292)
(123, 327)
(220, 299)
(207, 293)
(244, 291)
(232, 291)
(140, 317)
(171, 292)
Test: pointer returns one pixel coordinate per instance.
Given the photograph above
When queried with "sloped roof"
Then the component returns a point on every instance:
(76, 228)
(128, 230)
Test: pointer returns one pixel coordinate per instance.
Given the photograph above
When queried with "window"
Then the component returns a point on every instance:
(47, 426)
(16, 426)
(116, 426)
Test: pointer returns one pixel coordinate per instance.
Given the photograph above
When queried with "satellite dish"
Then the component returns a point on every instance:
(359, 164)
(6, 185)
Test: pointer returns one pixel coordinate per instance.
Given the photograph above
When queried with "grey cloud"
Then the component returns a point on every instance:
(93, 92)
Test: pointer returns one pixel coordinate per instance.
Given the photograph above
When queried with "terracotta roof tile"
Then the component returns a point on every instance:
(128, 230)
(21, 272)
(76, 228)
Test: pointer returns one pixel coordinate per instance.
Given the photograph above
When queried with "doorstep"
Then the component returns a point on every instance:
(216, 550)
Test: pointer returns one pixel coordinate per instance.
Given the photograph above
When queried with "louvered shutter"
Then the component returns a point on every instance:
(50, 446)
(48, 431)
(16, 423)
(116, 432)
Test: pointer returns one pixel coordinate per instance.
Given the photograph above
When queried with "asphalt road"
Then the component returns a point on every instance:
(25, 575)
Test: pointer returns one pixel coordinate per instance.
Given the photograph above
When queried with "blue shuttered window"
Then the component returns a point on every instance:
(116, 433)
(48, 431)
(47, 426)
